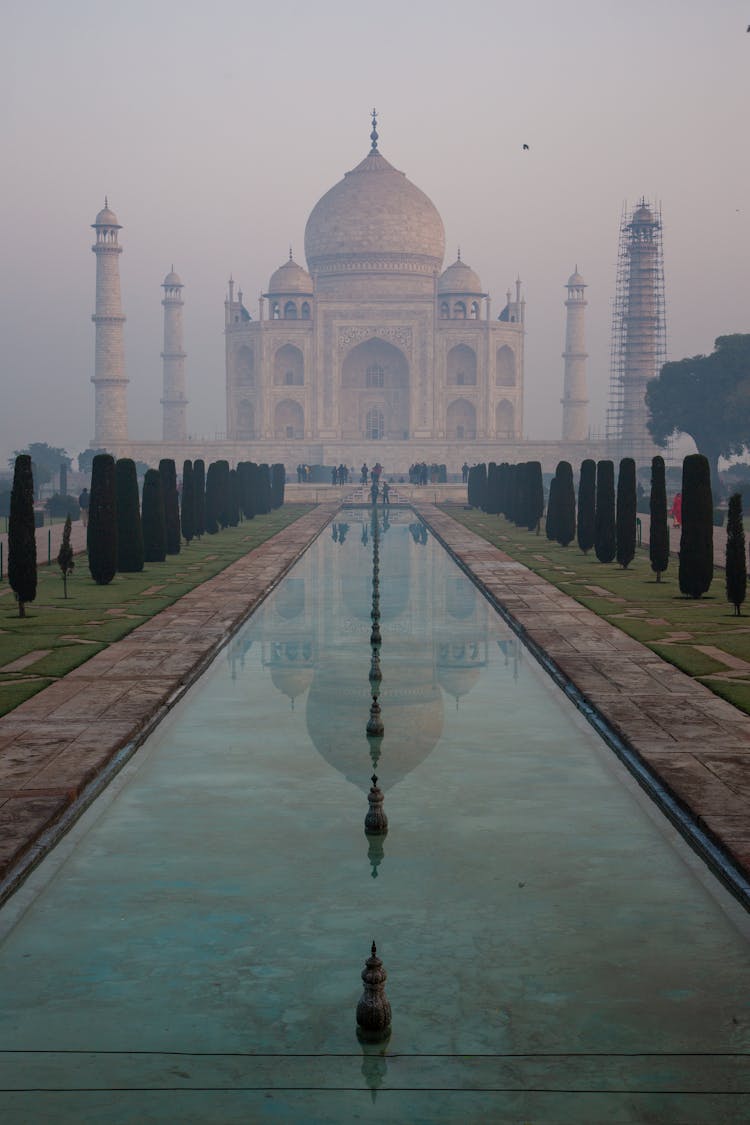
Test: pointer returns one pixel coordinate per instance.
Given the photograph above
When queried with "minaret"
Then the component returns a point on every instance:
(174, 427)
(110, 381)
(575, 426)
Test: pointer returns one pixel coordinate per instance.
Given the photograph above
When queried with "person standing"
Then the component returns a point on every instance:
(386, 492)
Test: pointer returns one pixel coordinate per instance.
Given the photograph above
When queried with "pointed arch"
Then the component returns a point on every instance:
(461, 366)
(505, 367)
(289, 420)
(505, 419)
(245, 366)
(461, 420)
(288, 367)
(245, 420)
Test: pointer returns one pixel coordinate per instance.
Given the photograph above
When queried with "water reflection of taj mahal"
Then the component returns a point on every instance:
(427, 666)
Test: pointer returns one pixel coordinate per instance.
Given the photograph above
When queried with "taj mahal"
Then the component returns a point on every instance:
(375, 351)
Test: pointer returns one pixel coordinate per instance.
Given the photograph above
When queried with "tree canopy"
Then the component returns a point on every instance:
(46, 460)
(706, 397)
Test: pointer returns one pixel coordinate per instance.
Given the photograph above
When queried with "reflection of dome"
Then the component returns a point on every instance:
(458, 681)
(339, 704)
(291, 682)
(460, 278)
(290, 278)
(106, 218)
(374, 219)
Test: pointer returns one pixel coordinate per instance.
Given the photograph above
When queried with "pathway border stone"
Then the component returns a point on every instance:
(687, 747)
(59, 749)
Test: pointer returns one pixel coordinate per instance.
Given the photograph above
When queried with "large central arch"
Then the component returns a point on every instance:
(374, 377)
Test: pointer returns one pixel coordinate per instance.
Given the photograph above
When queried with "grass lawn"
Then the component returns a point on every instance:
(57, 635)
(701, 637)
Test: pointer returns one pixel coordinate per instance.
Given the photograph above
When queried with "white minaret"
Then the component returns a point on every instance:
(110, 381)
(575, 424)
(174, 425)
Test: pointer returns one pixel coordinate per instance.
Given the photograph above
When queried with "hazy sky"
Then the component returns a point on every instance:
(215, 128)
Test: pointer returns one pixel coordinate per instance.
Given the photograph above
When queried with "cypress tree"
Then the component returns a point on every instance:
(168, 474)
(565, 526)
(278, 481)
(519, 495)
(247, 488)
(65, 555)
(586, 505)
(102, 528)
(187, 506)
(199, 492)
(535, 493)
(510, 506)
(22, 534)
(129, 529)
(264, 489)
(696, 567)
(233, 499)
(253, 477)
(152, 519)
(223, 493)
(213, 499)
(502, 488)
(626, 505)
(604, 515)
(551, 524)
(736, 557)
(658, 539)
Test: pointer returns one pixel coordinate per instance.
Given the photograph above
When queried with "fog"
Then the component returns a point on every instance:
(214, 129)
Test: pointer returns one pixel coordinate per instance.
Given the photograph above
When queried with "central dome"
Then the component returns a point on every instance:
(374, 220)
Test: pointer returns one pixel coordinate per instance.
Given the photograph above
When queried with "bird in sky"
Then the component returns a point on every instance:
(525, 148)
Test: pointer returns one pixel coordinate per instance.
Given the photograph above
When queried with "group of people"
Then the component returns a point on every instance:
(422, 473)
(339, 474)
(374, 473)
(304, 474)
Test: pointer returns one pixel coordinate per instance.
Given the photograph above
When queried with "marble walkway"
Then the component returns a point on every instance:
(58, 749)
(688, 745)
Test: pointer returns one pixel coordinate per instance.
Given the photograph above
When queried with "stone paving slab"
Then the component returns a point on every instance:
(694, 744)
(66, 738)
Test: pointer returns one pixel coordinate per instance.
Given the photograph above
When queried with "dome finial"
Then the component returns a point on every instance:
(106, 202)
(290, 253)
(459, 254)
(374, 133)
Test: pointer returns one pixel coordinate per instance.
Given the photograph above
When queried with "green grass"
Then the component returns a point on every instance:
(103, 614)
(652, 612)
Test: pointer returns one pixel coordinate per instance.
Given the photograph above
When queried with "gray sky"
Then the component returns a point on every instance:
(214, 129)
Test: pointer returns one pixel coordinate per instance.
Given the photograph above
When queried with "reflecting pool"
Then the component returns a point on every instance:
(192, 950)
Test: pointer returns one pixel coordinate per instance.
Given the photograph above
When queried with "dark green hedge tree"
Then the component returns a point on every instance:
(565, 525)
(278, 481)
(152, 518)
(213, 499)
(736, 555)
(658, 539)
(264, 489)
(586, 505)
(552, 511)
(199, 492)
(168, 473)
(696, 567)
(626, 512)
(233, 506)
(22, 534)
(605, 543)
(187, 502)
(101, 534)
(534, 495)
(129, 529)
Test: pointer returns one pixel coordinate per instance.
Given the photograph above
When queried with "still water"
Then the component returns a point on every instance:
(192, 950)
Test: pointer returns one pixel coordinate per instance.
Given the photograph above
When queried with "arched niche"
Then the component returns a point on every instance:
(461, 420)
(505, 419)
(245, 420)
(288, 420)
(505, 367)
(375, 375)
(288, 367)
(290, 310)
(461, 366)
(245, 366)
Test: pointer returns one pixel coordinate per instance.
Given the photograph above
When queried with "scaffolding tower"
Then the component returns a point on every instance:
(639, 332)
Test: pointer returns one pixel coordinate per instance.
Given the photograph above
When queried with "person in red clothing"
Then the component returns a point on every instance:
(676, 511)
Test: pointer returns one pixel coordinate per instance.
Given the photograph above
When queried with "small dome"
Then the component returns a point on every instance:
(172, 280)
(643, 213)
(575, 280)
(460, 278)
(106, 218)
(291, 278)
